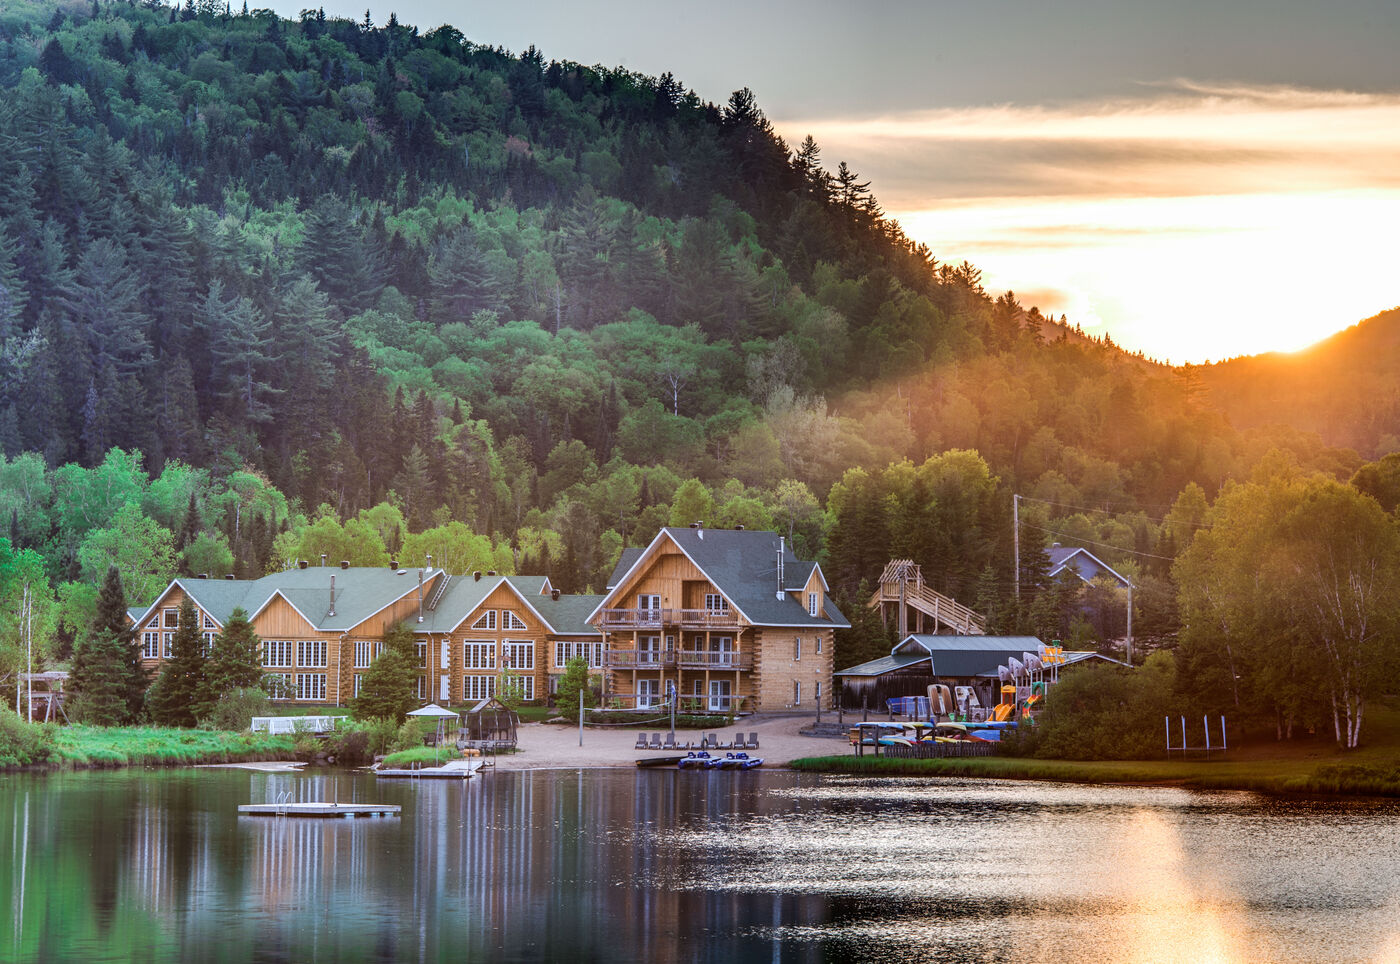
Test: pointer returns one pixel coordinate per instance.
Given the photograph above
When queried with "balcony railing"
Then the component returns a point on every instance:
(639, 658)
(709, 659)
(657, 618)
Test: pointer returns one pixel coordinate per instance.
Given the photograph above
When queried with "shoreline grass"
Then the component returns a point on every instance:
(96, 747)
(1280, 776)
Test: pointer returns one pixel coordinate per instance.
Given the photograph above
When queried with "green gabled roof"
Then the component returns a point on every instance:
(359, 593)
(463, 595)
(625, 562)
(568, 615)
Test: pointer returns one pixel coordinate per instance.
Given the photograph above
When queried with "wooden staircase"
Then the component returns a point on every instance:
(902, 585)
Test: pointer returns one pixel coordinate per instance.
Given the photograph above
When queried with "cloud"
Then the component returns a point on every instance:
(1179, 139)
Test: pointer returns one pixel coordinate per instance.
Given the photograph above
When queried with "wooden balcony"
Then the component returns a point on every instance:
(639, 658)
(623, 619)
(708, 659)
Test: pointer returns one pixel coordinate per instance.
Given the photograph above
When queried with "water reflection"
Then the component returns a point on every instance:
(683, 866)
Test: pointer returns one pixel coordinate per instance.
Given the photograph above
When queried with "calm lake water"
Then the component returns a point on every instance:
(652, 865)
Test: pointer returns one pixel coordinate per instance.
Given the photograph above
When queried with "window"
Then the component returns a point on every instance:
(819, 645)
(721, 651)
(796, 692)
(359, 681)
(279, 685)
(716, 603)
(649, 649)
(423, 655)
(479, 654)
(650, 605)
(277, 652)
(811, 604)
(208, 644)
(167, 640)
(209, 622)
(527, 687)
(172, 618)
(367, 651)
(422, 687)
(487, 620)
(311, 652)
(565, 650)
(150, 645)
(311, 686)
(797, 649)
(509, 620)
(154, 623)
(518, 654)
(648, 693)
(817, 693)
(476, 687)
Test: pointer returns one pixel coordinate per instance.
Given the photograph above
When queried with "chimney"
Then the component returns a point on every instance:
(394, 564)
(420, 595)
(1054, 545)
(739, 527)
(695, 525)
(230, 576)
(476, 576)
(323, 560)
(430, 562)
(344, 564)
(331, 611)
(301, 563)
(699, 528)
(490, 572)
(782, 541)
(554, 594)
(202, 575)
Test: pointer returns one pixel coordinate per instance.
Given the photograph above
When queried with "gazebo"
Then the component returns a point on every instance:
(441, 716)
(491, 725)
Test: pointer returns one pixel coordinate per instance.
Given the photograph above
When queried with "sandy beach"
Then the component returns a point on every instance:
(550, 746)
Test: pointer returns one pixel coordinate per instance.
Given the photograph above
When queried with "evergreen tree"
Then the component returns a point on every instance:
(102, 676)
(180, 694)
(191, 527)
(235, 660)
(574, 685)
(389, 689)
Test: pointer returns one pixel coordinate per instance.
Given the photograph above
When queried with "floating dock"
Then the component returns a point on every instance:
(313, 808)
(452, 770)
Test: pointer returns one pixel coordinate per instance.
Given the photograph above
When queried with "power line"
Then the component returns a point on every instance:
(1087, 508)
(1105, 545)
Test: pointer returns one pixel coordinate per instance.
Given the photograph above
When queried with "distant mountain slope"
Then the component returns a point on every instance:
(1345, 388)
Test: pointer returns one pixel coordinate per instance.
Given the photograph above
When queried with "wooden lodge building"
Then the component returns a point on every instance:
(731, 618)
(321, 627)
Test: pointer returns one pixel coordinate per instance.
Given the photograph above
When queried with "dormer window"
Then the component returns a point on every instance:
(811, 604)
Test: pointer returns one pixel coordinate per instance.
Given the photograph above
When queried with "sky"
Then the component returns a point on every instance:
(1196, 180)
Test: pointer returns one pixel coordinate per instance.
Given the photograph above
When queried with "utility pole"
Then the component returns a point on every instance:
(1130, 624)
(1016, 541)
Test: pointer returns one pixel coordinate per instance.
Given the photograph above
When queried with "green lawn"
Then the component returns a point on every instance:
(161, 746)
(1310, 766)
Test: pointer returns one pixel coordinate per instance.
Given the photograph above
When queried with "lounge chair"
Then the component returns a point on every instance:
(670, 742)
(753, 741)
(739, 740)
(655, 741)
(641, 742)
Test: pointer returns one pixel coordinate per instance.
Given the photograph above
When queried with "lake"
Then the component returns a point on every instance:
(623, 865)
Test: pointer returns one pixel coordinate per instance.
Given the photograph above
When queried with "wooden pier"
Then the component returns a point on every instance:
(316, 808)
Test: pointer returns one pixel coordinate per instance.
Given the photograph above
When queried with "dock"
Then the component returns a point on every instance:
(452, 770)
(315, 808)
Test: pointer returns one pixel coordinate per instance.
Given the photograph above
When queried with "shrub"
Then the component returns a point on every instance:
(306, 748)
(1103, 713)
(235, 709)
(356, 743)
(21, 742)
(413, 733)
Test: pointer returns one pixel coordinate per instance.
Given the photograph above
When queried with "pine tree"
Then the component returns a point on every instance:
(389, 689)
(179, 695)
(101, 677)
(191, 527)
(235, 658)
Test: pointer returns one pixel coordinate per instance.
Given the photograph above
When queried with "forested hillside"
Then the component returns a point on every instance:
(275, 288)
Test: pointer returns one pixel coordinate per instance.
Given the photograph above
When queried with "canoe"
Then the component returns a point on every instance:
(660, 761)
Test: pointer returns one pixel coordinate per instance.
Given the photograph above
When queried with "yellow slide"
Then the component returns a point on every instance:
(1003, 712)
